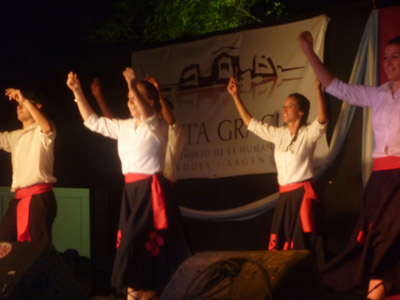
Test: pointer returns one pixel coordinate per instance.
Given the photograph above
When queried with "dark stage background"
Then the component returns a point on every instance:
(87, 160)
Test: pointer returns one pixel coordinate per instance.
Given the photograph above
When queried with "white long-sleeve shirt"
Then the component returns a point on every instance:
(294, 163)
(141, 149)
(32, 155)
(385, 112)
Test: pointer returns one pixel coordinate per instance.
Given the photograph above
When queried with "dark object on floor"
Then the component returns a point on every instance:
(35, 271)
(252, 275)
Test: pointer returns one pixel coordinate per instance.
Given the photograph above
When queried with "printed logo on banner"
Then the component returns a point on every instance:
(267, 64)
(257, 80)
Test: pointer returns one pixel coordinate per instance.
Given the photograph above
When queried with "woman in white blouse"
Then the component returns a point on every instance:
(295, 221)
(150, 243)
(370, 264)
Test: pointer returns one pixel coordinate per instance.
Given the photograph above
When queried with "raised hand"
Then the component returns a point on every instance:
(232, 87)
(153, 81)
(95, 87)
(14, 94)
(130, 76)
(306, 41)
(73, 82)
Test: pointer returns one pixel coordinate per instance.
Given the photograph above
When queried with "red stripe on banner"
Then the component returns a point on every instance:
(389, 27)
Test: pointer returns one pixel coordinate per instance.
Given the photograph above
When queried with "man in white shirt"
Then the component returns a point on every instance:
(33, 209)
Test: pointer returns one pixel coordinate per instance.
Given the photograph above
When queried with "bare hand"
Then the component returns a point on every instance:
(95, 87)
(153, 81)
(73, 81)
(130, 76)
(14, 94)
(306, 41)
(232, 87)
(318, 84)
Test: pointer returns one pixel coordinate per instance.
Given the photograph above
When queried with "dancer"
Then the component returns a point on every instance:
(31, 213)
(294, 224)
(150, 243)
(369, 265)
(176, 138)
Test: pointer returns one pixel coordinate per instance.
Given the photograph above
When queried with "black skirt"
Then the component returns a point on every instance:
(373, 251)
(286, 228)
(146, 258)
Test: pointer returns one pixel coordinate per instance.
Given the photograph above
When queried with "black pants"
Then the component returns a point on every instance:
(42, 212)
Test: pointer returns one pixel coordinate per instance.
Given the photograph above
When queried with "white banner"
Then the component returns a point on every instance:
(268, 65)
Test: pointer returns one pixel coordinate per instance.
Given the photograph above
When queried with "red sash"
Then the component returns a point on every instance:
(25, 196)
(386, 163)
(158, 202)
(305, 208)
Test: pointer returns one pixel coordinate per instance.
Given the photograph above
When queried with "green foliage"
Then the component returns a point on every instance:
(163, 20)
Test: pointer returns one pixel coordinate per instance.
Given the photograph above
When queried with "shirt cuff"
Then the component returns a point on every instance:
(252, 124)
(91, 120)
(332, 86)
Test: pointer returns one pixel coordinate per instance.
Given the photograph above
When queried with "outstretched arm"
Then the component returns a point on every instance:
(33, 108)
(233, 90)
(144, 108)
(84, 107)
(165, 108)
(306, 43)
(322, 115)
(101, 101)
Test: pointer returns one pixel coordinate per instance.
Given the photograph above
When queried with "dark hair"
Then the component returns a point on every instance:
(304, 106)
(395, 40)
(30, 95)
(152, 93)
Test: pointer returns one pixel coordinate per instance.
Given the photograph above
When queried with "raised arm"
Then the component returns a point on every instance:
(233, 90)
(322, 73)
(165, 108)
(322, 115)
(33, 108)
(144, 108)
(101, 101)
(84, 107)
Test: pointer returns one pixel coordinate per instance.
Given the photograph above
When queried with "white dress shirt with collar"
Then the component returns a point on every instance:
(294, 163)
(385, 112)
(141, 149)
(32, 155)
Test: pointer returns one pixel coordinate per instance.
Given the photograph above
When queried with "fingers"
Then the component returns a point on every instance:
(13, 94)
(306, 36)
(232, 86)
(73, 81)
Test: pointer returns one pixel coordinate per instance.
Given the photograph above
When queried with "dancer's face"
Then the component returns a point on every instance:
(291, 111)
(132, 104)
(23, 114)
(391, 62)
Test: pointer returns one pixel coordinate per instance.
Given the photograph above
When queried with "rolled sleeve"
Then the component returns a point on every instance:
(263, 130)
(102, 125)
(47, 139)
(5, 141)
(354, 94)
